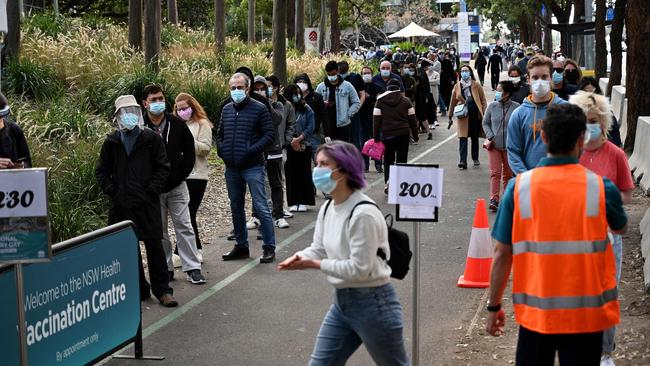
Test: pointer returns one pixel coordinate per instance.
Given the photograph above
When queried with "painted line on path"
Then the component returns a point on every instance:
(146, 332)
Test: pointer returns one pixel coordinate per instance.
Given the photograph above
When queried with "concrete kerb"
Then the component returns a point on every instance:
(617, 100)
(640, 159)
(602, 82)
(644, 227)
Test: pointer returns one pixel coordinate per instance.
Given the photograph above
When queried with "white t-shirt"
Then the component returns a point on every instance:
(348, 250)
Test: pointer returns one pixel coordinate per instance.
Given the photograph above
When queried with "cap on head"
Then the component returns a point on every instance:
(125, 101)
(259, 79)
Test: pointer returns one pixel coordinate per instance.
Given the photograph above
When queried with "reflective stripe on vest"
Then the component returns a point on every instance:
(559, 247)
(565, 302)
(593, 195)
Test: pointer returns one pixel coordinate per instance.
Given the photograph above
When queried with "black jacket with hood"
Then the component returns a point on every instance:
(134, 182)
(317, 104)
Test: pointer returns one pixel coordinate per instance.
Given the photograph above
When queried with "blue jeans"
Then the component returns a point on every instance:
(608, 334)
(236, 181)
(369, 315)
(355, 133)
(441, 103)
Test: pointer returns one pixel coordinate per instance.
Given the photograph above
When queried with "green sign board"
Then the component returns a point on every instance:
(80, 306)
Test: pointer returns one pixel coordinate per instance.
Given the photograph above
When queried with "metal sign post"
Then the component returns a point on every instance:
(20, 302)
(416, 189)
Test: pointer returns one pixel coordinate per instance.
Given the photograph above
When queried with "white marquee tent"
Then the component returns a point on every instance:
(413, 30)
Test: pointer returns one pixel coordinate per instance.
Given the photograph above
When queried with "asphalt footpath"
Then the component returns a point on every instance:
(251, 314)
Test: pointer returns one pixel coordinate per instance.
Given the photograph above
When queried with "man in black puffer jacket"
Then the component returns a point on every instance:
(245, 130)
(175, 198)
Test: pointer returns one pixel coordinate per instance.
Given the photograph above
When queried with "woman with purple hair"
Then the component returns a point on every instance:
(347, 238)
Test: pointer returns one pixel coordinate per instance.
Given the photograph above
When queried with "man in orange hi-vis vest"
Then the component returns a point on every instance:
(551, 228)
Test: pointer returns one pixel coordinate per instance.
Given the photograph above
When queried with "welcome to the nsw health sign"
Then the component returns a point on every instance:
(82, 304)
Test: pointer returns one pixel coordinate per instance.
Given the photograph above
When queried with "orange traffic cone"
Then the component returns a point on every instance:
(479, 256)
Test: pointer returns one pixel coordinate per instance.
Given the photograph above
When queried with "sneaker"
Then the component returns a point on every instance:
(168, 301)
(253, 223)
(436, 124)
(293, 208)
(236, 253)
(302, 208)
(195, 277)
(477, 163)
(386, 189)
(494, 205)
(199, 255)
(176, 260)
(606, 360)
(380, 170)
(268, 256)
(171, 275)
(288, 215)
(430, 137)
(462, 166)
(281, 224)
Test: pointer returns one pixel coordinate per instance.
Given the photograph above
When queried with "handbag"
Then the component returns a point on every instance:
(460, 111)
(374, 150)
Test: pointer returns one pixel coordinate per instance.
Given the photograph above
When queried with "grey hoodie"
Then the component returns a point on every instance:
(495, 122)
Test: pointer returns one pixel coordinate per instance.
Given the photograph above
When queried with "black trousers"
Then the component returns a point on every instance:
(196, 188)
(474, 126)
(495, 78)
(481, 75)
(300, 187)
(343, 133)
(536, 349)
(397, 151)
(158, 273)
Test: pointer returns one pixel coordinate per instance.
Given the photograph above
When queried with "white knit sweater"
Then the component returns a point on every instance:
(348, 250)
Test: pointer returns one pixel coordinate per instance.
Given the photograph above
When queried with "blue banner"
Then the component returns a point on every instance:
(79, 306)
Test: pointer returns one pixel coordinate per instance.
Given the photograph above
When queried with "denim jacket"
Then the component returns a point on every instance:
(347, 101)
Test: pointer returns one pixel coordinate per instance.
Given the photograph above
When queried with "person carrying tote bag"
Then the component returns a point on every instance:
(467, 92)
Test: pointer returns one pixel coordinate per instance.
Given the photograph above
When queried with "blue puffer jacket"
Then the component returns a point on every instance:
(244, 131)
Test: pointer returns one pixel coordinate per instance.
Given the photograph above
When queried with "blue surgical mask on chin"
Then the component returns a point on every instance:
(237, 95)
(322, 178)
(156, 108)
(557, 77)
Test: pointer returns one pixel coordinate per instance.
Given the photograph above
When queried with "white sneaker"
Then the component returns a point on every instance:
(176, 260)
(436, 124)
(253, 223)
(302, 208)
(606, 360)
(199, 255)
(293, 208)
(287, 214)
(281, 223)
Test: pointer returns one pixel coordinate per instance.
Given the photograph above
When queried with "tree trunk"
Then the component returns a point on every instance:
(279, 40)
(321, 27)
(291, 20)
(300, 25)
(578, 44)
(172, 12)
(615, 46)
(600, 66)
(220, 26)
(55, 7)
(152, 24)
(538, 32)
(548, 32)
(13, 27)
(524, 35)
(637, 23)
(251, 21)
(135, 24)
(335, 27)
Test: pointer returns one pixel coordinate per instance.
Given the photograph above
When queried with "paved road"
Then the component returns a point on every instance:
(251, 314)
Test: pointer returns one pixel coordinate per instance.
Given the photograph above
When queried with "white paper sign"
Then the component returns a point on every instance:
(415, 185)
(23, 193)
(465, 42)
(409, 212)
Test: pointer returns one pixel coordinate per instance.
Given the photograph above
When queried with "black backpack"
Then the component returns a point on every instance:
(398, 242)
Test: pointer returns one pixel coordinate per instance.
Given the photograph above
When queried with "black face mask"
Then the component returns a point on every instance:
(571, 76)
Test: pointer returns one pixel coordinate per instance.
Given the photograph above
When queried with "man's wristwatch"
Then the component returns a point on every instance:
(493, 308)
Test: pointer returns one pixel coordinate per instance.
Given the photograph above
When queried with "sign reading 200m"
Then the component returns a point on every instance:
(82, 304)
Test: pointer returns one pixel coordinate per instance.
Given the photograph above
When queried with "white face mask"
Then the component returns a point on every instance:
(367, 78)
(302, 86)
(540, 88)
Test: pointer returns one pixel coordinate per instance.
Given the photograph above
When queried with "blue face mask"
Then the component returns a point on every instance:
(497, 96)
(129, 120)
(269, 91)
(464, 75)
(385, 73)
(322, 178)
(344, 75)
(332, 78)
(296, 98)
(557, 77)
(594, 131)
(156, 108)
(237, 95)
